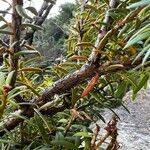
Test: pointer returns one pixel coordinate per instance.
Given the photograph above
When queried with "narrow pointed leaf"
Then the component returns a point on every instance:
(146, 56)
(139, 4)
(25, 52)
(2, 79)
(6, 32)
(33, 26)
(85, 44)
(42, 130)
(33, 10)
(138, 38)
(21, 11)
(141, 53)
(142, 83)
(84, 134)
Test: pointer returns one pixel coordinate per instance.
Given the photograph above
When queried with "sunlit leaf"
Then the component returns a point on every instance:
(74, 96)
(34, 69)
(42, 130)
(43, 119)
(25, 52)
(2, 79)
(83, 134)
(146, 56)
(129, 78)
(4, 26)
(6, 32)
(29, 87)
(138, 38)
(10, 77)
(142, 83)
(141, 52)
(21, 11)
(61, 69)
(121, 89)
(114, 67)
(93, 8)
(33, 10)
(33, 26)
(85, 44)
(139, 4)
(65, 144)
(76, 57)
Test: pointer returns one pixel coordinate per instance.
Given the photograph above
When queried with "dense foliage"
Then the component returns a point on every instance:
(105, 54)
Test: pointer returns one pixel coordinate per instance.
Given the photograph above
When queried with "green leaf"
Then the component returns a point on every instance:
(138, 38)
(142, 30)
(139, 4)
(24, 52)
(13, 103)
(146, 56)
(63, 121)
(6, 32)
(59, 136)
(33, 26)
(2, 19)
(142, 83)
(2, 79)
(96, 97)
(85, 44)
(14, 90)
(74, 96)
(114, 112)
(129, 78)
(84, 134)
(125, 108)
(33, 10)
(29, 87)
(4, 26)
(93, 8)
(142, 52)
(123, 30)
(77, 141)
(67, 145)
(11, 96)
(21, 11)
(97, 113)
(34, 69)
(61, 69)
(42, 130)
(10, 77)
(43, 119)
(121, 90)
